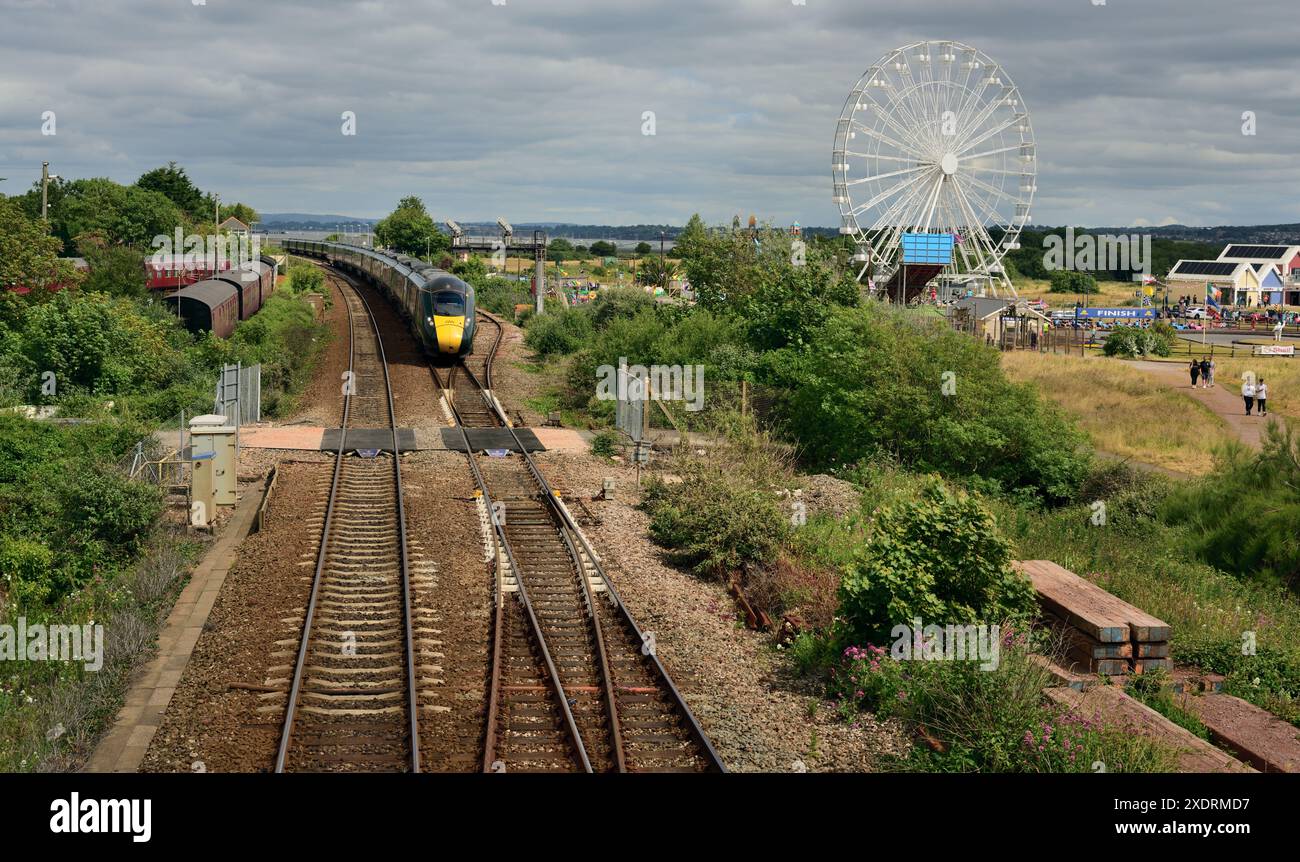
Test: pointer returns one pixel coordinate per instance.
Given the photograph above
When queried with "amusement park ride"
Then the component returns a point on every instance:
(934, 170)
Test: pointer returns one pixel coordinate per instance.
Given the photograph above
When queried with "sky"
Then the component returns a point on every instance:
(534, 110)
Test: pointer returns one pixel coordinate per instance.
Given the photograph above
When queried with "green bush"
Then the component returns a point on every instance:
(875, 381)
(1243, 516)
(606, 443)
(939, 558)
(724, 512)
(1133, 341)
(559, 332)
(987, 720)
(1072, 281)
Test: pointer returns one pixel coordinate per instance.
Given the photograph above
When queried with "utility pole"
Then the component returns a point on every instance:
(663, 264)
(216, 210)
(46, 176)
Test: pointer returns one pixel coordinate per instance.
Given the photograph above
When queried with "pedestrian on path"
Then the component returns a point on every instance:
(1261, 397)
(1205, 374)
(1248, 394)
(1195, 368)
(1210, 374)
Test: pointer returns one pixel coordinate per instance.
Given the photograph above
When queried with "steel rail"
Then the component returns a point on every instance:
(286, 732)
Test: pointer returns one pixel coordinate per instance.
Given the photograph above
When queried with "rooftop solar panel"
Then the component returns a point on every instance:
(1205, 267)
(1257, 252)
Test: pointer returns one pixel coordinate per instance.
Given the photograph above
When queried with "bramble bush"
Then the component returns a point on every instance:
(1133, 341)
(940, 558)
(871, 382)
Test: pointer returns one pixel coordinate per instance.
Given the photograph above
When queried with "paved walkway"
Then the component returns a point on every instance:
(1224, 398)
(123, 748)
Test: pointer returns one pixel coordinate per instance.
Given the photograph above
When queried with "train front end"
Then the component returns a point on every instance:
(448, 317)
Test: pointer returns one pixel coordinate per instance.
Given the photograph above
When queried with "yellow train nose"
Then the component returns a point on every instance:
(450, 330)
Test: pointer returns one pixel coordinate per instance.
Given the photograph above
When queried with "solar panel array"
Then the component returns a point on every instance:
(1205, 267)
(1256, 252)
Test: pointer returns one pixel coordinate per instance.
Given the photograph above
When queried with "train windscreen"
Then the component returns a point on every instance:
(448, 304)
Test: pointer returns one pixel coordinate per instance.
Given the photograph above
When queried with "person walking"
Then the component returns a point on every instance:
(1195, 368)
(1248, 394)
(1205, 374)
(1261, 397)
(1208, 373)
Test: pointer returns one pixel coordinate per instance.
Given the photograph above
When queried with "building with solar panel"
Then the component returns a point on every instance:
(1278, 267)
(1238, 281)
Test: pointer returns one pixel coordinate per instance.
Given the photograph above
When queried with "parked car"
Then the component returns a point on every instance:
(1195, 312)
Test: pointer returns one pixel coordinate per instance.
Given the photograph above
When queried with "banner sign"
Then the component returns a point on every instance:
(1133, 313)
(1276, 350)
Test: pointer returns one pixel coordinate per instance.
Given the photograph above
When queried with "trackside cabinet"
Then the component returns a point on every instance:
(214, 476)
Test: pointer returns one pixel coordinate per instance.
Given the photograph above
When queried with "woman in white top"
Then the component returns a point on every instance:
(1248, 394)
(1261, 397)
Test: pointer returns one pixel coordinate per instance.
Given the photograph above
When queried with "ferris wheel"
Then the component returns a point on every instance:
(934, 139)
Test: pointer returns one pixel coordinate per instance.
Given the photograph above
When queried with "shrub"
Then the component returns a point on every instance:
(1133, 341)
(939, 558)
(871, 383)
(724, 512)
(559, 332)
(606, 443)
(1133, 497)
(1072, 281)
(987, 720)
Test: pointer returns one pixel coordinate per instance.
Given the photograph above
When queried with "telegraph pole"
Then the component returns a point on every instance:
(45, 190)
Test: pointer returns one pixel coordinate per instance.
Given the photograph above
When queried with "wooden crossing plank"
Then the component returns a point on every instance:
(1088, 607)
(1260, 738)
(1119, 710)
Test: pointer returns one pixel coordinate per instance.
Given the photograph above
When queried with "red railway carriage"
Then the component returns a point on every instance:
(209, 306)
(249, 280)
(170, 271)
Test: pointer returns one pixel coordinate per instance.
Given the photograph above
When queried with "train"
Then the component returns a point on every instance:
(218, 304)
(438, 307)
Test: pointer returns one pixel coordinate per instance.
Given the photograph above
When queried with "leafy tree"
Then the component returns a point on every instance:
(28, 254)
(172, 182)
(602, 248)
(114, 270)
(409, 229)
(243, 212)
(472, 270)
(643, 248)
(559, 249)
(656, 271)
(688, 242)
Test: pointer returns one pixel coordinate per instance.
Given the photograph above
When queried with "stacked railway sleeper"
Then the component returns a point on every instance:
(353, 701)
(575, 685)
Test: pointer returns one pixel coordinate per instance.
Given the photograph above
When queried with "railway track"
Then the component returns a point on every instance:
(575, 684)
(353, 702)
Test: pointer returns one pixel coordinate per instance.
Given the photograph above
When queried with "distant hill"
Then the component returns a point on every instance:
(309, 221)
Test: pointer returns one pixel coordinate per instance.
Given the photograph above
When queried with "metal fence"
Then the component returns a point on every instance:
(239, 394)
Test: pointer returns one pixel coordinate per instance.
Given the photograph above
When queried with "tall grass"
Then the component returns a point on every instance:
(1124, 410)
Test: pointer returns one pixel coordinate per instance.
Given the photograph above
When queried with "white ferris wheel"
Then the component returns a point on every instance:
(934, 139)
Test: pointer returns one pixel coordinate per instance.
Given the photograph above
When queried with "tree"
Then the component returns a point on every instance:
(656, 271)
(28, 254)
(691, 237)
(472, 270)
(643, 248)
(559, 249)
(602, 248)
(243, 212)
(114, 270)
(173, 182)
(410, 230)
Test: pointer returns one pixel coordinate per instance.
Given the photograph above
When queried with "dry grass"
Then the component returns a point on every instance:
(1113, 293)
(1281, 373)
(1125, 411)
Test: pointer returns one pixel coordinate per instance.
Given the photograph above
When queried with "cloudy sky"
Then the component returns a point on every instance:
(532, 109)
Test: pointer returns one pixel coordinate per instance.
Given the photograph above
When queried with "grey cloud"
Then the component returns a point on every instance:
(533, 109)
